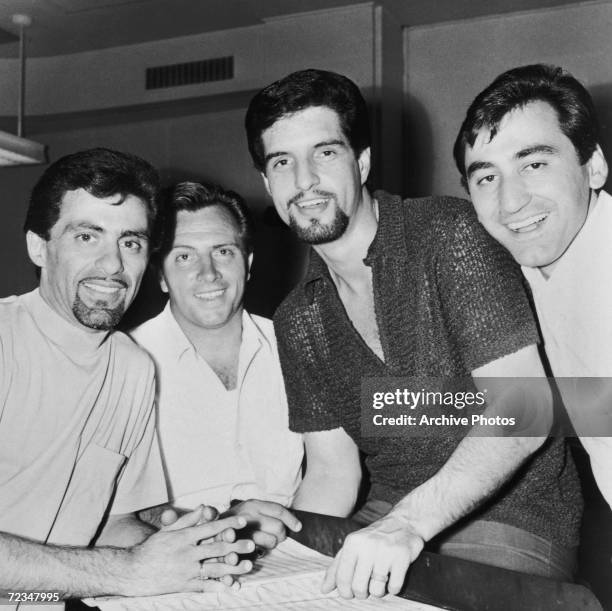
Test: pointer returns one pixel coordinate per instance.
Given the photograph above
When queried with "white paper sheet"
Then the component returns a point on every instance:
(287, 578)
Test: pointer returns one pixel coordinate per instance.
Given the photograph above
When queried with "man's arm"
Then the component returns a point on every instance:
(475, 470)
(333, 474)
(167, 561)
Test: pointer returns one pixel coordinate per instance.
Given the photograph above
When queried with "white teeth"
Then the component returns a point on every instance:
(101, 288)
(528, 222)
(311, 203)
(210, 295)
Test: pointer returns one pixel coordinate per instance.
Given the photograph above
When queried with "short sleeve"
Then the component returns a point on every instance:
(483, 294)
(309, 392)
(142, 483)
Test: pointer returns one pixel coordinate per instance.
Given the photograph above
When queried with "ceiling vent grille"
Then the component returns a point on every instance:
(190, 73)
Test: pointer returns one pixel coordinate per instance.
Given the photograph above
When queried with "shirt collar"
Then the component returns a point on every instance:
(251, 333)
(388, 241)
(593, 231)
(175, 339)
(61, 332)
(179, 343)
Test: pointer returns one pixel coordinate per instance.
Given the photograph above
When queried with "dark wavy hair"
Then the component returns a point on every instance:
(518, 87)
(102, 173)
(193, 196)
(301, 90)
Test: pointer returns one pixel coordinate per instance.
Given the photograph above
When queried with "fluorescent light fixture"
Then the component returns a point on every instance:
(20, 151)
(17, 150)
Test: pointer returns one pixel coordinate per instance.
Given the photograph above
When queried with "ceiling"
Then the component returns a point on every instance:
(71, 26)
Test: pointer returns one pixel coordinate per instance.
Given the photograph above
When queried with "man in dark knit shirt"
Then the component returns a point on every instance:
(414, 288)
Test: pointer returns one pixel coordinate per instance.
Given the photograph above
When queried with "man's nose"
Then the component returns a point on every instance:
(513, 195)
(208, 269)
(306, 176)
(110, 260)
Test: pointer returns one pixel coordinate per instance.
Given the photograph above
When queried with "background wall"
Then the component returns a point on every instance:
(447, 65)
(195, 132)
(418, 82)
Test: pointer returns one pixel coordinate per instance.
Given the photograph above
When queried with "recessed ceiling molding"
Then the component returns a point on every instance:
(20, 151)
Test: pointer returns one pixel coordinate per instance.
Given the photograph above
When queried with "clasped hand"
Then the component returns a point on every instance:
(188, 554)
(266, 521)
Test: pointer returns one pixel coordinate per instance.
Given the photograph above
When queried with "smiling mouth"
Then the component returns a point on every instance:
(104, 287)
(210, 295)
(529, 224)
(312, 203)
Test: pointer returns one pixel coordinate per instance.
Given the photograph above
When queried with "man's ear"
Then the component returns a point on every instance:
(266, 183)
(597, 167)
(249, 263)
(162, 282)
(37, 248)
(364, 164)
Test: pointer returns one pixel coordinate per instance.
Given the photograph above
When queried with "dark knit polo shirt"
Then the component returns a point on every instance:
(448, 299)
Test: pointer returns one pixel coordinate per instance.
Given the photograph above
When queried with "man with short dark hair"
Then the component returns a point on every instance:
(529, 155)
(78, 452)
(394, 288)
(221, 403)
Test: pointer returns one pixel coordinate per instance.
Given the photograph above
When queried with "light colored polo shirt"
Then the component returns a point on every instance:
(574, 307)
(219, 445)
(77, 425)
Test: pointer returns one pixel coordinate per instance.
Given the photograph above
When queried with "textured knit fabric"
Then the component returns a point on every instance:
(448, 300)
(220, 445)
(76, 425)
(574, 307)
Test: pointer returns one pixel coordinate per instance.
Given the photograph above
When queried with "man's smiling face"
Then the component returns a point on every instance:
(528, 187)
(206, 271)
(312, 173)
(94, 259)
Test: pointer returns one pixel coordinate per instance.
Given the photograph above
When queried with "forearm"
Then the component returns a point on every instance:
(327, 494)
(73, 572)
(124, 531)
(475, 471)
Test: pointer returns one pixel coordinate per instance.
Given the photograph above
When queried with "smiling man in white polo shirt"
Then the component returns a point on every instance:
(222, 409)
(529, 155)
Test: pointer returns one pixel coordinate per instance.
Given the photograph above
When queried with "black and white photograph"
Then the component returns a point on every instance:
(306, 304)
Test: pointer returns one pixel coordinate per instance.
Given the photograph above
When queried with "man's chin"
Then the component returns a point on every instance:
(316, 233)
(98, 317)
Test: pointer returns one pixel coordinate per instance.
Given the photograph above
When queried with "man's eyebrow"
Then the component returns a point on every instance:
(547, 149)
(334, 142)
(82, 225)
(132, 233)
(219, 245)
(478, 165)
(331, 143)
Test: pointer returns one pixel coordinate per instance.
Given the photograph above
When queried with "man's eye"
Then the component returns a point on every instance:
(84, 237)
(281, 163)
(536, 165)
(486, 180)
(328, 153)
(183, 257)
(133, 245)
(224, 252)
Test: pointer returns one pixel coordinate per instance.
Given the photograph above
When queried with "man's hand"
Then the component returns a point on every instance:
(174, 559)
(373, 556)
(174, 519)
(266, 521)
